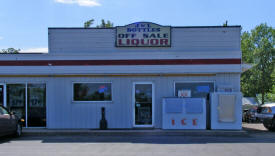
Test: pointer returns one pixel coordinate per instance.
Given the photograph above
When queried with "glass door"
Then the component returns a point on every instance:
(36, 105)
(143, 104)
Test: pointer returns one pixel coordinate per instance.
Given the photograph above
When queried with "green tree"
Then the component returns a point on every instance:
(10, 51)
(107, 24)
(247, 48)
(258, 48)
(225, 24)
(88, 23)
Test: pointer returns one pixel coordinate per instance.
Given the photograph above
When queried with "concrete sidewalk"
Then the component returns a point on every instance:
(131, 132)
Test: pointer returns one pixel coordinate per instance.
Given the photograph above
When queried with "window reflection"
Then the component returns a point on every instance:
(36, 105)
(143, 104)
(92, 92)
(16, 99)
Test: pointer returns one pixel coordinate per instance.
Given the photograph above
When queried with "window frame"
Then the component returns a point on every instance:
(109, 101)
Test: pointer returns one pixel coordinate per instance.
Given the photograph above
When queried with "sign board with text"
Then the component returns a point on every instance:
(143, 34)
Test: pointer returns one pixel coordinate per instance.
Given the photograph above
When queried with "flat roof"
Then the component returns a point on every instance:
(171, 27)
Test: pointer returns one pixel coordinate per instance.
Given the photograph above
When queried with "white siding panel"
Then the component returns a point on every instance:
(229, 79)
(183, 39)
(63, 113)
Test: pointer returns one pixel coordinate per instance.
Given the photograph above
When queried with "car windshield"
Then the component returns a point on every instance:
(265, 110)
(3, 111)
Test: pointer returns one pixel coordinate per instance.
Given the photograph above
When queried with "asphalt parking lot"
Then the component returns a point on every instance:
(258, 142)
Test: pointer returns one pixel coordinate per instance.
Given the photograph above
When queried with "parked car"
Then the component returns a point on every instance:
(250, 115)
(9, 123)
(266, 113)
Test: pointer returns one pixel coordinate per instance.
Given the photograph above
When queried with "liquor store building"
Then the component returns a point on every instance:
(145, 76)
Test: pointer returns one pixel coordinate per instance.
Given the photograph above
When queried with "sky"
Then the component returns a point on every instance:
(24, 23)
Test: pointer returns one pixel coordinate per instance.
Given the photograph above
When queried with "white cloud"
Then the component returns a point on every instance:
(1, 38)
(34, 50)
(88, 3)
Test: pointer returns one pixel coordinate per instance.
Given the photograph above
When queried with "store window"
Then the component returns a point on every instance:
(193, 89)
(34, 114)
(92, 92)
(16, 99)
(36, 105)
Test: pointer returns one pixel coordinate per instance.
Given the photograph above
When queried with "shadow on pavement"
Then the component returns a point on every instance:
(4, 139)
(269, 137)
(256, 134)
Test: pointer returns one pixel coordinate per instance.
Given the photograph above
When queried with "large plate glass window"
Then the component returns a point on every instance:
(16, 99)
(36, 105)
(34, 114)
(92, 92)
(194, 89)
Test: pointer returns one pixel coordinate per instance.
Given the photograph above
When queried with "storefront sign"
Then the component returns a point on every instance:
(143, 34)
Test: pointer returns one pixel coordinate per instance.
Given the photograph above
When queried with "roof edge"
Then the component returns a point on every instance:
(234, 26)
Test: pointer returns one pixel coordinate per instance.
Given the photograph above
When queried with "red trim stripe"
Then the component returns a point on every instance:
(118, 62)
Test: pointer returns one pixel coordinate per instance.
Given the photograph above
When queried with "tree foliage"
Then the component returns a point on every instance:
(258, 49)
(10, 51)
(88, 23)
(225, 23)
(247, 48)
(106, 24)
(103, 24)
